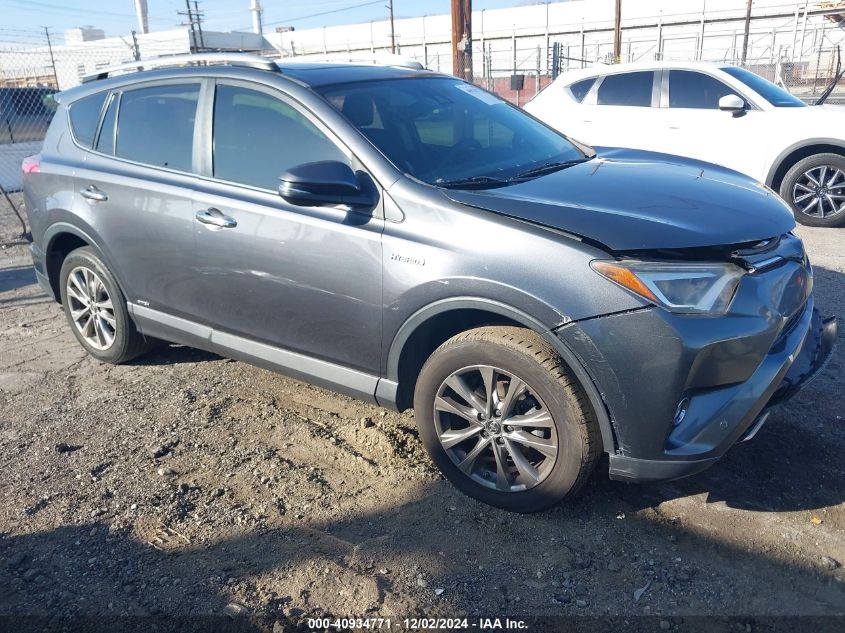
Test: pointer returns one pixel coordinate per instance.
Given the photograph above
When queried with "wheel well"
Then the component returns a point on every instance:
(428, 336)
(61, 245)
(800, 154)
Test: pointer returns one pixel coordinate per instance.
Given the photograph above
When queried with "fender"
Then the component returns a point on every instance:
(58, 228)
(387, 387)
(775, 166)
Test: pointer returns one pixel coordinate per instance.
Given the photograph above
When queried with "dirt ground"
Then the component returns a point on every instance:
(185, 484)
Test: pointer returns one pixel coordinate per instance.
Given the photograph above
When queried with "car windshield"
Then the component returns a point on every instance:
(775, 95)
(449, 133)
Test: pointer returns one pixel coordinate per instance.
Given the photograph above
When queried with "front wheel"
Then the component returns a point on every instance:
(815, 189)
(504, 421)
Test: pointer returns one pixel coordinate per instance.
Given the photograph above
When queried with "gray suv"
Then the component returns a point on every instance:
(410, 239)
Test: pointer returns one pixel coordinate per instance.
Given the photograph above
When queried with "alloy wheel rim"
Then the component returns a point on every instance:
(820, 192)
(495, 428)
(91, 308)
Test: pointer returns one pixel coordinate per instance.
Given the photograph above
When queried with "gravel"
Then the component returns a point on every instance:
(184, 484)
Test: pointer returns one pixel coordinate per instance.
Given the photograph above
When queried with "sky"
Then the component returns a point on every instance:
(19, 19)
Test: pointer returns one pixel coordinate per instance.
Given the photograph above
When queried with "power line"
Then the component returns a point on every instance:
(316, 15)
(42, 7)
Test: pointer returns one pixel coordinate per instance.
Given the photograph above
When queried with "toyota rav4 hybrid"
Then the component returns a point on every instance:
(407, 238)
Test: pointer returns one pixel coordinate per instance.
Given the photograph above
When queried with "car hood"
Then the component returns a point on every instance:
(633, 200)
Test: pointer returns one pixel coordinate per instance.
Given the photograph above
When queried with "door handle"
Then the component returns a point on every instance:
(215, 217)
(95, 195)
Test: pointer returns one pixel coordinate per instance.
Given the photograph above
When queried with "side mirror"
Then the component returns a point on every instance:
(326, 183)
(732, 103)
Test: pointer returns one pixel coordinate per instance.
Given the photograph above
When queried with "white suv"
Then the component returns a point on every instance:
(715, 113)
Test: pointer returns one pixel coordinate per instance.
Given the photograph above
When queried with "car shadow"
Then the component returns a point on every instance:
(787, 467)
(164, 353)
(103, 575)
(610, 552)
(16, 277)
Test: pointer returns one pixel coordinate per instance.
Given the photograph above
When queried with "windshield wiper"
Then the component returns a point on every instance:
(547, 168)
(473, 182)
(488, 182)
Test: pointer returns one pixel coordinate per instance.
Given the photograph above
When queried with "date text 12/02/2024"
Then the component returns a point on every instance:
(410, 624)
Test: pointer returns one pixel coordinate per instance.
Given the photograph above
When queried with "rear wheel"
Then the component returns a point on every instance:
(96, 309)
(503, 420)
(815, 189)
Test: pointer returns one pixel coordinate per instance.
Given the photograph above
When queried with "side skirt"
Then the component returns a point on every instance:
(338, 378)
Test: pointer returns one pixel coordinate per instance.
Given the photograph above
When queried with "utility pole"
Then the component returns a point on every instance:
(190, 14)
(392, 31)
(462, 39)
(617, 33)
(136, 50)
(745, 35)
(198, 16)
(52, 59)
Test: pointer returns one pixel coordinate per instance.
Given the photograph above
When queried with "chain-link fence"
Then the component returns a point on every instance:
(25, 114)
(32, 69)
(26, 108)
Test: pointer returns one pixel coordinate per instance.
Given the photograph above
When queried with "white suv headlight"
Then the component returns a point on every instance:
(678, 287)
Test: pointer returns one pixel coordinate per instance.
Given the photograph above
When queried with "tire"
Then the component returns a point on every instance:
(567, 444)
(797, 183)
(113, 337)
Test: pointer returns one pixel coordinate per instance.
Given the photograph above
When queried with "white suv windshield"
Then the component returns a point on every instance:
(775, 95)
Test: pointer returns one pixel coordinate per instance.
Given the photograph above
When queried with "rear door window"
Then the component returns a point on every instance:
(156, 125)
(627, 89)
(690, 89)
(85, 116)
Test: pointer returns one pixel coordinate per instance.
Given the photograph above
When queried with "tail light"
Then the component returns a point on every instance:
(31, 164)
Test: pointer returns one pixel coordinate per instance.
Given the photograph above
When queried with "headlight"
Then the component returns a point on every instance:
(677, 287)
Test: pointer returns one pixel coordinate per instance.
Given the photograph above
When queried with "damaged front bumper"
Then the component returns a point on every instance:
(798, 370)
(810, 359)
(653, 444)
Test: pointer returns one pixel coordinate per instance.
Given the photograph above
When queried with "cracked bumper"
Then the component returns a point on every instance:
(644, 362)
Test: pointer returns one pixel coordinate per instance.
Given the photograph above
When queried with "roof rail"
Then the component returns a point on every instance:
(246, 60)
(376, 59)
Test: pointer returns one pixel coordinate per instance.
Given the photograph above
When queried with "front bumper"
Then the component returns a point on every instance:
(647, 367)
